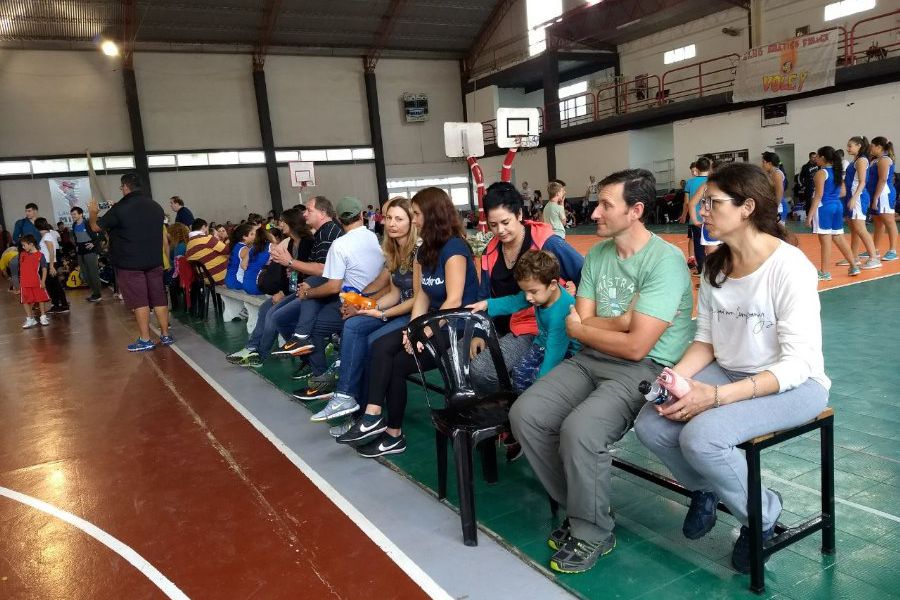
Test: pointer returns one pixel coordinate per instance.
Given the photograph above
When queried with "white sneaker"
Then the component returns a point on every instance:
(45, 320)
(29, 323)
(872, 263)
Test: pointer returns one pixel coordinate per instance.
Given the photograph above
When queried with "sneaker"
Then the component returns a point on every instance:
(872, 263)
(854, 271)
(341, 428)
(578, 556)
(701, 515)
(29, 323)
(865, 255)
(319, 387)
(364, 430)
(141, 345)
(340, 405)
(383, 445)
(166, 340)
(740, 555)
(559, 535)
(824, 276)
(94, 298)
(890, 255)
(843, 263)
(236, 358)
(44, 320)
(296, 346)
(56, 310)
(253, 359)
(304, 371)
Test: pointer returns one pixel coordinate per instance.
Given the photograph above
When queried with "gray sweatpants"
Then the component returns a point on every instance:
(482, 370)
(702, 454)
(90, 271)
(14, 272)
(566, 422)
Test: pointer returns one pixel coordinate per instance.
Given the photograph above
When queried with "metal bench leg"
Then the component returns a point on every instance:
(754, 520)
(827, 437)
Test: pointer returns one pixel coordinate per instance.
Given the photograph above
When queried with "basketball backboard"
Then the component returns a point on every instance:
(463, 139)
(518, 127)
(303, 174)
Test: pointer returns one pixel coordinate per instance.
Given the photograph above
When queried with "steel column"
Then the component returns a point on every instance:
(137, 127)
(268, 140)
(375, 132)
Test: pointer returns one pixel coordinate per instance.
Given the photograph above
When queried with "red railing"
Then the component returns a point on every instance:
(704, 78)
(871, 46)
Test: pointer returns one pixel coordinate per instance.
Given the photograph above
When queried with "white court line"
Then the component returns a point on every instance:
(137, 561)
(867, 509)
(843, 285)
(414, 571)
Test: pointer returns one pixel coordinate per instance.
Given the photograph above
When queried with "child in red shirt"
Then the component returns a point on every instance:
(32, 281)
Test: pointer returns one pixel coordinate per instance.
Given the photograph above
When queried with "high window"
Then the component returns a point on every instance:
(839, 10)
(538, 12)
(680, 54)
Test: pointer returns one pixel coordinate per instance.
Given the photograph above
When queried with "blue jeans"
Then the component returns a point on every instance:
(327, 324)
(266, 329)
(702, 453)
(309, 309)
(360, 332)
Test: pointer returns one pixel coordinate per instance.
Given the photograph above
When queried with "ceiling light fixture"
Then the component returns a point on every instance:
(109, 48)
(628, 24)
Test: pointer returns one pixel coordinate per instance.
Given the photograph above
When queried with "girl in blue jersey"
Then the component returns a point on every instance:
(880, 182)
(771, 164)
(826, 213)
(857, 200)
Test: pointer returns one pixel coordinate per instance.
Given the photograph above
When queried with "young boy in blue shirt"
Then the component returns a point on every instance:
(537, 273)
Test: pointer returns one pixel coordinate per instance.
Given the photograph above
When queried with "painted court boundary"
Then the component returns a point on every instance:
(117, 546)
(414, 571)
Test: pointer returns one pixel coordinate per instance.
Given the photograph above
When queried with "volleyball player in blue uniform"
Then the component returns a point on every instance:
(826, 214)
(883, 192)
(857, 200)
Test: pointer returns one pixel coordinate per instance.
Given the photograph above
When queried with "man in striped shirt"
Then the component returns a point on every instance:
(208, 250)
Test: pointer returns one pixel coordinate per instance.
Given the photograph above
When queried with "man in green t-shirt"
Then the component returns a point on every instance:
(555, 212)
(633, 317)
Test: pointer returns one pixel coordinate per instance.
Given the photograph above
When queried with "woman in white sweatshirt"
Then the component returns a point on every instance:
(756, 363)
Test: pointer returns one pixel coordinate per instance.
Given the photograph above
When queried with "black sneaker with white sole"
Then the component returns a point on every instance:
(365, 429)
(383, 445)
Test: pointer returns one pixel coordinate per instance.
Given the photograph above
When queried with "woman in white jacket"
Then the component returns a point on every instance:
(756, 363)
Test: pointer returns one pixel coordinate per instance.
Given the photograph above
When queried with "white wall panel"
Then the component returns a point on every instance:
(215, 195)
(317, 101)
(61, 103)
(417, 143)
(599, 156)
(192, 101)
(333, 182)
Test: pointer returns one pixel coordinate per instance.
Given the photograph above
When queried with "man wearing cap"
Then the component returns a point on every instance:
(354, 260)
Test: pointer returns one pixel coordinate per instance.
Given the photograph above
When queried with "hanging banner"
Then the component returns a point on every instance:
(66, 194)
(785, 68)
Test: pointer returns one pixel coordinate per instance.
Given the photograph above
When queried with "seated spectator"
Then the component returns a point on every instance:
(278, 278)
(513, 237)
(567, 420)
(178, 235)
(363, 327)
(258, 259)
(755, 365)
(443, 277)
(354, 260)
(221, 233)
(537, 274)
(240, 256)
(209, 250)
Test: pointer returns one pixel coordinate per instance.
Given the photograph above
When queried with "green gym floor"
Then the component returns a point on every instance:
(652, 559)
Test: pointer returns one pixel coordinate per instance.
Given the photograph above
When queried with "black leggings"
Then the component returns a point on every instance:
(56, 291)
(390, 366)
(699, 248)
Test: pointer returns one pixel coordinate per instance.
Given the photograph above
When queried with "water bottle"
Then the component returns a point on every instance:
(654, 392)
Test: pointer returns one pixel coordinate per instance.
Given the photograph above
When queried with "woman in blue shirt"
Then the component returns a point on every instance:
(443, 277)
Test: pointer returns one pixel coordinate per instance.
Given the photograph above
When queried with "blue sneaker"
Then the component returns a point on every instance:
(701, 516)
(141, 346)
(890, 255)
(740, 555)
(166, 340)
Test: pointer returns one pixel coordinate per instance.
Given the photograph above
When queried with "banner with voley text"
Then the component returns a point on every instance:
(784, 68)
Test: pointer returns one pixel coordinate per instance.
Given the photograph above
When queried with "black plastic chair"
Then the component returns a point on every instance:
(469, 420)
(206, 287)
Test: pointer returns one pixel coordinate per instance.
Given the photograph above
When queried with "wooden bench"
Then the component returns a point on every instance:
(784, 537)
(236, 302)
